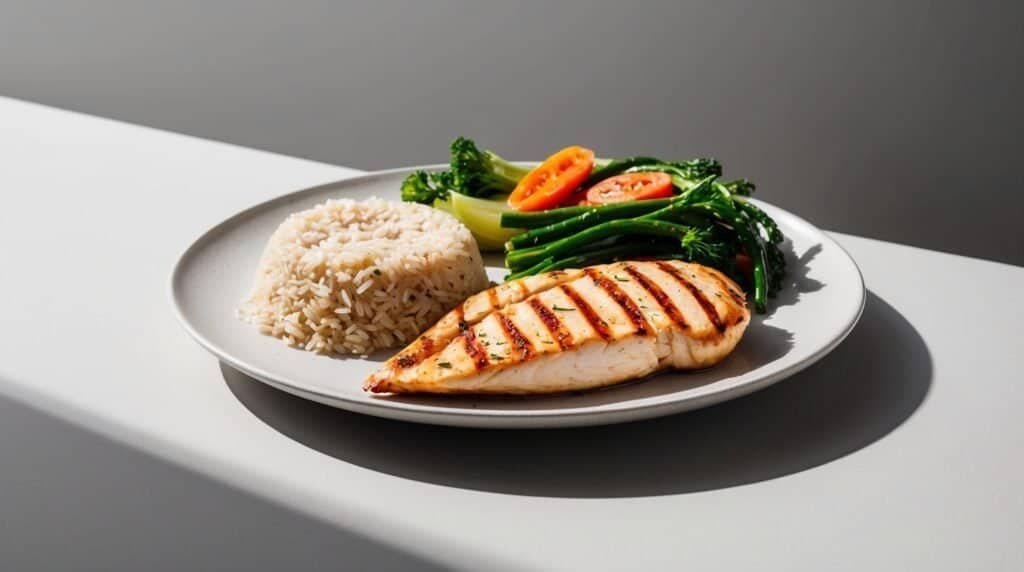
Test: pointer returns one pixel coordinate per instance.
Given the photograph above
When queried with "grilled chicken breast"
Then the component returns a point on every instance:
(573, 330)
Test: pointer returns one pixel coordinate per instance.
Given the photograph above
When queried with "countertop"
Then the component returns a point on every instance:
(900, 450)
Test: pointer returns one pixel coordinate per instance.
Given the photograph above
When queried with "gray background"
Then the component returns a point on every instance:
(897, 122)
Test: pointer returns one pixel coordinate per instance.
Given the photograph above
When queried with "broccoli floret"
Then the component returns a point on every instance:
(701, 246)
(698, 168)
(423, 187)
(481, 173)
(741, 187)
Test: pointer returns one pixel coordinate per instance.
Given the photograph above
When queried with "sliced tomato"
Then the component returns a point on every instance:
(553, 180)
(630, 187)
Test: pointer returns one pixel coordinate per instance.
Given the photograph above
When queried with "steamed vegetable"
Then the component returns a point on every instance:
(425, 188)
(692, 169)
(726, 223)
(579, 231)
(647, 208)
(630, 187)
(483, 218)
(477, 173)
(541, 219)
(472, 172)
(551, 182)
(587, 218)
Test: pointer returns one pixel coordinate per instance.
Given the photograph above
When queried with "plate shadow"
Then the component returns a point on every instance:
(867, 387)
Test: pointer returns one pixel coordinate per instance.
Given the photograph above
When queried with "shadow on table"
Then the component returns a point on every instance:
(863, 390)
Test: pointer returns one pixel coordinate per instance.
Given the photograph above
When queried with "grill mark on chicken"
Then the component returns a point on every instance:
(513, 334)
(492, 297)
(570, 320)
(426, 348)
(521, 285)
(659, 296)
(640, 324)
(475, 349)
(595, 321)
(551, 322)
(702, 300)
(717, 277)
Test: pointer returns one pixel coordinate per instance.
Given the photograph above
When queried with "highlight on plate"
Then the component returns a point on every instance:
(617, 268)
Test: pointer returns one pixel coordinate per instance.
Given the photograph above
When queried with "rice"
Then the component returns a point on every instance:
(352, 277)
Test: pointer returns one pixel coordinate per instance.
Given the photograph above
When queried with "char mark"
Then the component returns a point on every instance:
(555, 327)
(659, 296)
(622, 299)
(702, 300)
(521, 345)
(475, 349)
(596, 322)
(718, 278)
(425, 349)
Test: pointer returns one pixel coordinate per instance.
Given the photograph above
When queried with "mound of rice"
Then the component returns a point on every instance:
(358, 276)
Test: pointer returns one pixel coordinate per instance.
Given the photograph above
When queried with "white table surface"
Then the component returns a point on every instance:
(901, 450)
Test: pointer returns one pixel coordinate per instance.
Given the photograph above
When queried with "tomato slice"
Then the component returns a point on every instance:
(553, 180)
(630, 187)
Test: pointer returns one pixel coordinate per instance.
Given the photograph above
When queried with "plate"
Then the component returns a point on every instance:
(821, 303)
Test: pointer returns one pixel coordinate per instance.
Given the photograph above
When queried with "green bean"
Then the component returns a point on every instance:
(645, 209)
(521, 259)
(587, 218)
(539, 219)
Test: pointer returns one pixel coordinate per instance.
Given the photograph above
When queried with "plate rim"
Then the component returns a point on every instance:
(484, 418)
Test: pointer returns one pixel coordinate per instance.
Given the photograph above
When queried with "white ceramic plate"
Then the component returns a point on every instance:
(820, 305)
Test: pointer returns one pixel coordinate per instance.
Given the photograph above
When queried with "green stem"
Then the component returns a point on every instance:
(539, 219)
(616, 167)
(599, 256)
(588, 217)
(535, 269)
(520, 259)
(653, 209)
(747, 232)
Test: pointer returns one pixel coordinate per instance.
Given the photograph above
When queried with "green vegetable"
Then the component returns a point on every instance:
(616, 167)
(598, 215)
(472, 172)
(710, 223)
(682, 179)
(425, 187)
(740, 187)
(567, 218)
(477, 173)
(520, 259)
(483, 218)
(692, 169)
(694, 246)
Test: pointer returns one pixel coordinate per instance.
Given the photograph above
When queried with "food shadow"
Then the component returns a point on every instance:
(856, 395)
(797, 281)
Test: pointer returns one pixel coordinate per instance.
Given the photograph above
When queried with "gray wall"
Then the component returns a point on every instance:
(897, 122)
